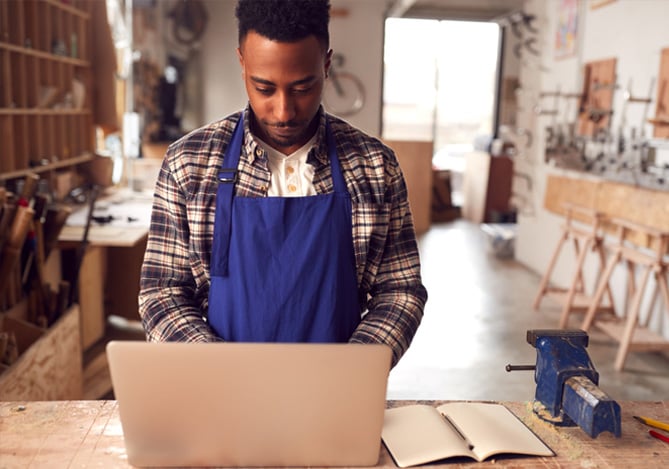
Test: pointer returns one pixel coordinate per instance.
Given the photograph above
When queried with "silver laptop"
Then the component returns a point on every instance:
(250, 404)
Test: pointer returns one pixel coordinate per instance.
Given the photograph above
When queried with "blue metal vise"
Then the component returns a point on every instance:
(567, 391)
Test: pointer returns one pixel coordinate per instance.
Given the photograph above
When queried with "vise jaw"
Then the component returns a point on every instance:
(567, 392)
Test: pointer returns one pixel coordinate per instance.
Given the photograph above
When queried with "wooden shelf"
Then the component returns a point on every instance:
(60, 4)
(46, 95)
(77, 160)
(45, 55)
(43, 112)
(659, 120)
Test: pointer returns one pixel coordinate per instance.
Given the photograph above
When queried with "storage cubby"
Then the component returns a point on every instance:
(45, 82)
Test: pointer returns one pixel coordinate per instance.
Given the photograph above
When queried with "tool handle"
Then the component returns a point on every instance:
(29, 187)
(20, 226)
(12, 249)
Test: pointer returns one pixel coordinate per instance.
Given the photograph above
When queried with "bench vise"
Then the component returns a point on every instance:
(567, 392)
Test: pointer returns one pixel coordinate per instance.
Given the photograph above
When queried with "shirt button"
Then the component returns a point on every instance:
(292, 188)
(258, 152)
(290, 170)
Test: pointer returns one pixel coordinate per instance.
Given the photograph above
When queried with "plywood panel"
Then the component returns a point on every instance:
(614, 200)
(486, 186)
(661, 119)
(91, 295)
(595, 108)
(415, 159)
(565, 190)
(50, 369)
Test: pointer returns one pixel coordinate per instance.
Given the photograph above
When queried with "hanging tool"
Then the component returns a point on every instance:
(567, 393)
(81, 249)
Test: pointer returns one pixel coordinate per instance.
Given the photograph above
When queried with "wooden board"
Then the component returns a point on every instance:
(486, 186)
(415, 159)
(596, 104)
(636, 204)
(91, 295)
(661, 118)
(122, 280)
(50, 369)
(89, 434)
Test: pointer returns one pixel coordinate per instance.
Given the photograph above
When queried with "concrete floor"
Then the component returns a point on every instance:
(476, 318)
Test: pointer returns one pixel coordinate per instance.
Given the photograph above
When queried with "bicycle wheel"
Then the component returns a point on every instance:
(344, 94)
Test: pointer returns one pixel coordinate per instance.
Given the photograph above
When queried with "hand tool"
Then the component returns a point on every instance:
(6, 219)
(29, 189)
(81, 250)
(567, 392)
(12, 250)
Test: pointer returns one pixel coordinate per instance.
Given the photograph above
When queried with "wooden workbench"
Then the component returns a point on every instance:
(89, 434)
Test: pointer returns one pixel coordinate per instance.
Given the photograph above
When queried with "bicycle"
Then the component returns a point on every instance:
(344, 93)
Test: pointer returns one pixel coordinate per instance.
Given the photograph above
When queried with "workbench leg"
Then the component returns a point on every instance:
(597, 298)
(631, 284)
(602, 264)
(631, 322)
(661, 276)
(576, 282)
(543, 285)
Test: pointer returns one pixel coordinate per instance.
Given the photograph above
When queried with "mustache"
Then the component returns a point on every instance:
(282, 125)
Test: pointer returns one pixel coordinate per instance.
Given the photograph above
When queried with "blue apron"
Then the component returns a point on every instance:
(282, 268)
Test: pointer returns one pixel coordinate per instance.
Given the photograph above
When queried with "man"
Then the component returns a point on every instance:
(281, 222)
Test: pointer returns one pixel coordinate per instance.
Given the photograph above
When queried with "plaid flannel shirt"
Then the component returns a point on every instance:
(174, 288)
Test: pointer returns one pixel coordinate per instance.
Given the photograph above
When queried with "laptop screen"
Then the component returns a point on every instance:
(250, 404)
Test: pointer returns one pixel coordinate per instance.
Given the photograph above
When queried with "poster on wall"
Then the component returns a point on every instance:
(567, 29)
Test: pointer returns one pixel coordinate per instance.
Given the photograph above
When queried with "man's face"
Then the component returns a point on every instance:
(284, 82)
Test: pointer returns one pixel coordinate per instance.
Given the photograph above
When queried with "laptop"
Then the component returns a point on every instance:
(250, 404)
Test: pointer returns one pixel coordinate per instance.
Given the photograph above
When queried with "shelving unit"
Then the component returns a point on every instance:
(47, 128)
(45, 86)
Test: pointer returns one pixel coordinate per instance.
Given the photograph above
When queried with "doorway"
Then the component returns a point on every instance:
(440, 85)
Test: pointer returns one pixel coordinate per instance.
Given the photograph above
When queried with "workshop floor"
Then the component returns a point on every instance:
(478, 312)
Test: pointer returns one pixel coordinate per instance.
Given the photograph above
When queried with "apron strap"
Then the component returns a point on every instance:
(338, 183)
(227, 176)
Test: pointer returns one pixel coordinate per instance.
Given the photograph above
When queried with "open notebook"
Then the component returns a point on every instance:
(246, 404)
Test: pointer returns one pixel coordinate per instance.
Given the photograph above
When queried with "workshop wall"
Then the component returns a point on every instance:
(634, 32)
(356, 31)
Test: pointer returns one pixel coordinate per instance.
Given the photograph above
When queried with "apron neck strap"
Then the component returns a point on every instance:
(227, 174)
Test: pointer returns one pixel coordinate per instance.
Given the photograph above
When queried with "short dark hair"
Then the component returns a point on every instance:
(284, 20)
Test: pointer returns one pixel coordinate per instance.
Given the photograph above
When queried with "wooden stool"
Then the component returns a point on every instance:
(627, 330)
(575, 299)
